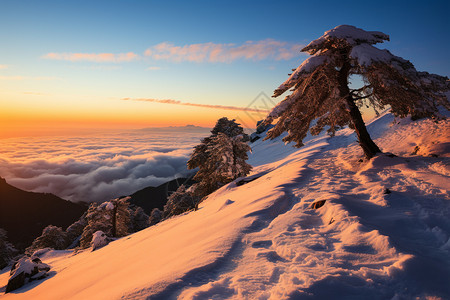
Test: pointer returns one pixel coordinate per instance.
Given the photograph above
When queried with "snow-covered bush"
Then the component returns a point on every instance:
(51, 237)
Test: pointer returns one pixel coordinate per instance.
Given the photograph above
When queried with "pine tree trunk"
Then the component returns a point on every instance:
(364, 139)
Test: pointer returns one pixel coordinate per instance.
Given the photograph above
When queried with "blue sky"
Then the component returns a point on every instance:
(31, 30)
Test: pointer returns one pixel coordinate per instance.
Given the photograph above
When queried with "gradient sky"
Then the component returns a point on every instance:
(67, 66)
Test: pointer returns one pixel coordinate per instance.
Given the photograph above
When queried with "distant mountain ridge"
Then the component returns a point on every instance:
(25, 214)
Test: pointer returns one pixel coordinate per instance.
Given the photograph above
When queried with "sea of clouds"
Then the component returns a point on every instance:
(97, 167)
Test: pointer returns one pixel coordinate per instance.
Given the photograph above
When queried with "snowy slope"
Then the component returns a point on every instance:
(262, 240)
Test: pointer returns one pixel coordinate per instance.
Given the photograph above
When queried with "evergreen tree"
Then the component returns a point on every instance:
(228, 156)
(121, 220)
(320, 88)
(111, 217)
(139, 219)
(7, 250)
(99, 218)
(75, 231)
(52, 237)
(179, 202)
(232, 139)
(155, 216)
(228, 127)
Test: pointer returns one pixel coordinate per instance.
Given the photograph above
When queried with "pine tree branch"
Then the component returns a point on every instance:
(362, 97)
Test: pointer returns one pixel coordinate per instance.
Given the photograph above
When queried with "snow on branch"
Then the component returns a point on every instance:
(351, 34)
(307, 67)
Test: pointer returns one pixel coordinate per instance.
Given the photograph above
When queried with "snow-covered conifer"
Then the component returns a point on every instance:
(74, 231)
(121, 219)
(228, 127)
(7, 250)
(179, 202)
(98, 217)
(51, 237)
(228, 138)
(111, 217)
(228, 156)
(320, 88)
(139, 219)
(155, 216)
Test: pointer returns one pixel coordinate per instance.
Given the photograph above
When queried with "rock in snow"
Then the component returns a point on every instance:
(262, 239)
(99, 239)
(24, 270)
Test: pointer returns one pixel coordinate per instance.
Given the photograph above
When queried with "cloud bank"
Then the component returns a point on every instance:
(211, 52)
(177, 102)
(96, 167)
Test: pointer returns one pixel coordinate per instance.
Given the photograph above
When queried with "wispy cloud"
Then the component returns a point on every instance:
(3, 67)
(93, 57)
(211, 52)
(177, 102)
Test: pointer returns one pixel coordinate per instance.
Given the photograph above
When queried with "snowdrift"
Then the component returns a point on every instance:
(315, 223)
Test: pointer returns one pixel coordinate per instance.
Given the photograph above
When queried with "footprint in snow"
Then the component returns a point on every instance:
(262, 244)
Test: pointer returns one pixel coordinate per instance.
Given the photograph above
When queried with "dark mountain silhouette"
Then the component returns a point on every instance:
(156, 197)
(24, 214)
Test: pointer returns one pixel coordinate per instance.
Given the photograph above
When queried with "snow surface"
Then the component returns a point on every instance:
(382, 233)
(352, 34)
(367, 54)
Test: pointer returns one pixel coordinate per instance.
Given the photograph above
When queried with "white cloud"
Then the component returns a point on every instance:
(211, 52)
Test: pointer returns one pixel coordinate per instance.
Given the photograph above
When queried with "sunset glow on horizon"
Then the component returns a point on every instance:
(67, 68)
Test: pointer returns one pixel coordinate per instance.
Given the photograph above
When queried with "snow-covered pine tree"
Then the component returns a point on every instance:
(228, 156)
(155, 216)
(7, 250)
(121, 220)
(229, 127)
(139, 219)
(179, 202)
(202, 156)
(111, 217)
(75, 231)
(99, 217)
(51, 237)
(320, 89)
